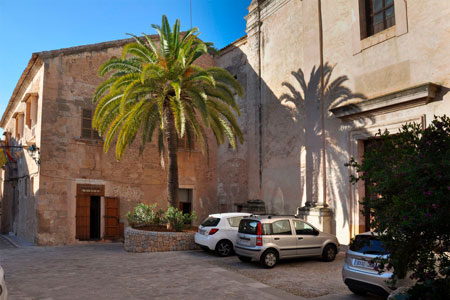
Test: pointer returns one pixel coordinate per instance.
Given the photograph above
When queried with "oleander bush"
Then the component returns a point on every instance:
(149, 215)
(144, 215)
(408, 177)
(176, 219)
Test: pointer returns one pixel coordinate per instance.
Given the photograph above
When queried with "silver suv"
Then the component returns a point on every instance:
(270, 238)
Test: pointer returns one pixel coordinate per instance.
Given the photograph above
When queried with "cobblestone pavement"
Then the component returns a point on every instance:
(106, 271)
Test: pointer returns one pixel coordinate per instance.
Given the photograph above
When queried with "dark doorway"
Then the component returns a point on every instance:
(185, 200)
(185, 207)
(95, 217)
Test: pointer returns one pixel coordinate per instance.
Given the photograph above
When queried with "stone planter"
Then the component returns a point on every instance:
(154, 241)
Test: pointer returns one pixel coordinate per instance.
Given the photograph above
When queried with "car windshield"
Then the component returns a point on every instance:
(211, 222)
(367, 244)
(248, 226)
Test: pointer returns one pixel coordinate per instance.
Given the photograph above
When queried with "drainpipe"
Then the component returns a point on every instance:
(260, 99)
(324, 162)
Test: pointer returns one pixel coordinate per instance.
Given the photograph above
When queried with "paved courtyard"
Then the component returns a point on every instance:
(106, 271)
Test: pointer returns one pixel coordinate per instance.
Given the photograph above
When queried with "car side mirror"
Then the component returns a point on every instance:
(316, 232)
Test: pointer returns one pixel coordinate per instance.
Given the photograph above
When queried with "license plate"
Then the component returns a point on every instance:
(244, 240)
(362, 263)
(203, 232)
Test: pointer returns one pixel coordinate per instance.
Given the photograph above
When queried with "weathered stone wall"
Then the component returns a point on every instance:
(233, 165)
(68, 160)
(412, 52)
(152, 241)
(21, 178)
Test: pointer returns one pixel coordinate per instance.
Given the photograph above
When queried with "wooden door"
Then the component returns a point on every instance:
(83, 217)
(112, 217)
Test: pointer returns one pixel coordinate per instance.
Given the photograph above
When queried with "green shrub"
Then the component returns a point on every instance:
(143, 215)
(177, 219)
(407, 175)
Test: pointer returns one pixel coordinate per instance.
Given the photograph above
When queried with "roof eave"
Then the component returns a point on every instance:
(31, 63)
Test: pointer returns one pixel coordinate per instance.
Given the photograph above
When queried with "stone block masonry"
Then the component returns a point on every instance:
(152, 241)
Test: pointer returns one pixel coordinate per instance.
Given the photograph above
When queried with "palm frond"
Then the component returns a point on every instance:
(222, 75)
(117, 64)
(138, 50)
(102, 88)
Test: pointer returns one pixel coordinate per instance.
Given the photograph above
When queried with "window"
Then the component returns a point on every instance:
(19, 125)
(32, 186)
(380, 15)
(211, 222)
(367, 244)
(234, 221)
(266, 229)
(25, 183)
(303, 228)
(248, 226)
(87, 131)
(282, 227)
(31, 110)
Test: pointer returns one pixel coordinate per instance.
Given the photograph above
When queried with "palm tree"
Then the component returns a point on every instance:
(157, 90)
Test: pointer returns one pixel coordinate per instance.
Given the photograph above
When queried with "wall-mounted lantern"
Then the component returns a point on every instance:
(34, 153)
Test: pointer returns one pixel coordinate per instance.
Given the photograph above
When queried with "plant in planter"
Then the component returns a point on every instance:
(145, 215)
(176, 219)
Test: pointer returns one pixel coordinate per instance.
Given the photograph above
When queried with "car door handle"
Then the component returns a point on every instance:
(276, 239)
(300, 238)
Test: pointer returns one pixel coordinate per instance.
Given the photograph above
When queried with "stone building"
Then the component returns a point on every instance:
(68, 189)
(395, 55)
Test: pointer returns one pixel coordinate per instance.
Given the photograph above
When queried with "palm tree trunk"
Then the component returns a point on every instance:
(172, 148)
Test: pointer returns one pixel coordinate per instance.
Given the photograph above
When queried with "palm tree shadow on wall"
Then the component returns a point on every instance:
(304, 104)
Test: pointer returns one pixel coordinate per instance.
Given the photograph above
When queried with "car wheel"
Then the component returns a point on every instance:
(269, 259)
(245, 259)
(357, 292)
(329, 253)
(224, 248)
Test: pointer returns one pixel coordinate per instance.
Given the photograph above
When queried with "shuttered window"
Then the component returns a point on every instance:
(87, 132)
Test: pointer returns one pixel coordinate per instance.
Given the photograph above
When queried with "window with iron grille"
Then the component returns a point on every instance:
(380, 15)
(87, 132)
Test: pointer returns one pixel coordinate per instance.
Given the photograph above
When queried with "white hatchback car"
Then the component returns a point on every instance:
(3, 290)
(218, 232)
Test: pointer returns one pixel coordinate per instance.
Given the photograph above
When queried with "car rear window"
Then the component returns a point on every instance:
(211, 222)
(248, 226)
(367, 244)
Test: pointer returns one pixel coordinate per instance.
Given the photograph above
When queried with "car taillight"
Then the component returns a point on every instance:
(259, 241)
(213, 230)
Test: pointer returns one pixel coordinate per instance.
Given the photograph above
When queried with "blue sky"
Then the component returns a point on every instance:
(28, 26)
